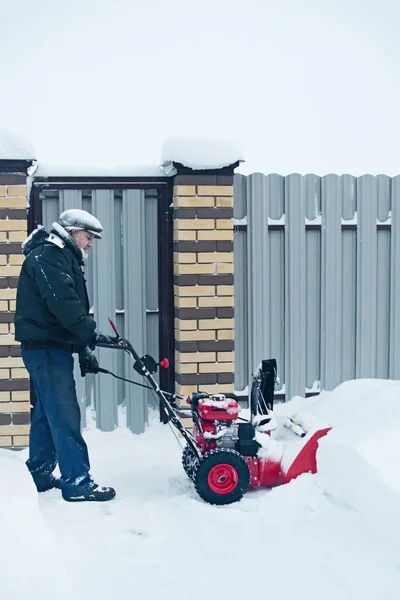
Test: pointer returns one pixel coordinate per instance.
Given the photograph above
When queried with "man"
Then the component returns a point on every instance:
(52, 322)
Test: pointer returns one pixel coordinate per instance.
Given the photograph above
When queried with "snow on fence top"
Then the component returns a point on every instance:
(14, 147)
(97, 171)
(200, 154)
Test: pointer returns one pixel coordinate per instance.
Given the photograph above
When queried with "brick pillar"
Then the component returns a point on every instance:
(14, 379)
(203, 281)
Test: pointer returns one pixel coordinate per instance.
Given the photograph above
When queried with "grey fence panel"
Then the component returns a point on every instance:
(240, 278)
(394, 363)
(331, 282)
(295, 286)
(104, 307)
(135, 301)
(276, 244)
(319, 288)
(258, 284)
(151, 283)
(367, 212)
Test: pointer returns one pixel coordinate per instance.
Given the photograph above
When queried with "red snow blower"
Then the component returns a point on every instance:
(226, 454)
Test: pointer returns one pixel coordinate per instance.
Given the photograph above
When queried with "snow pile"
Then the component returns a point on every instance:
(48, 170)
(200, 153)
(14, 147)
(334, 535)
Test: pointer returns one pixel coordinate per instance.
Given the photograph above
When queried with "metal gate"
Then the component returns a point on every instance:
(123, 273)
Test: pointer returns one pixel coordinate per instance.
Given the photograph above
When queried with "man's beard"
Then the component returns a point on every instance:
(85, 254)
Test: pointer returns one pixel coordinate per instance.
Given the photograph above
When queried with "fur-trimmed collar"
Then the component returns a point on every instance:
(65, 236)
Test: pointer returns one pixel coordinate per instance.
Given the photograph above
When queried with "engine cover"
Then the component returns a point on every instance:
(218, 408)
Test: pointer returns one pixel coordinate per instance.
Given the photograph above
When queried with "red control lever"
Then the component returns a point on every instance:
(164, 363)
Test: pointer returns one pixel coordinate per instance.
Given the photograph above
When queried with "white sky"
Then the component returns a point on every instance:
(300, 85)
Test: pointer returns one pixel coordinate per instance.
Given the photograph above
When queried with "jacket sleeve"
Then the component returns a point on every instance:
(54, 277)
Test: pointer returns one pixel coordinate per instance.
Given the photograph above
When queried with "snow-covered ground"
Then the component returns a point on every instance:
(334, 535)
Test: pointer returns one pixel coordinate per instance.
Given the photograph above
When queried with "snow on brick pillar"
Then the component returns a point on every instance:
(14, 379)
(203, 280)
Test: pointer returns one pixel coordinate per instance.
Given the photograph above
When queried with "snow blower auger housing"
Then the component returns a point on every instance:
(225, 454)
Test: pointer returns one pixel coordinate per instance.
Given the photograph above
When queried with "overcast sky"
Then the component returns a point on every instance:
(300, 85)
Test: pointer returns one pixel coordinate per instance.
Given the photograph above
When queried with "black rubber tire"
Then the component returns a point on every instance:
(189, 461)
(232, 481)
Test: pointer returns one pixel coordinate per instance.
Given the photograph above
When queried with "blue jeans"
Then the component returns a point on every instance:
(55, 434)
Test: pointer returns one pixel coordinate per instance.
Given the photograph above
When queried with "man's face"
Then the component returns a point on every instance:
(84, 241)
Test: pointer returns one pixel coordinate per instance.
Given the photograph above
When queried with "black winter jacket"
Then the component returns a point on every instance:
(52, 301)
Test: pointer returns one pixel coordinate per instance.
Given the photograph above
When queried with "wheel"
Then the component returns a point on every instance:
(189, 461)
(221, 476)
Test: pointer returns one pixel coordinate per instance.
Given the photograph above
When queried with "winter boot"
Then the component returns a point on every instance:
(45, 482)
(95, 493)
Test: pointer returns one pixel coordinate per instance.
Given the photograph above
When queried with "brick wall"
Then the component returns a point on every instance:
(14, 381)
(203, 283)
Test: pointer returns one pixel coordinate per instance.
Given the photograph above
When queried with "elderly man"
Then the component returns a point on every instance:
(52, 322)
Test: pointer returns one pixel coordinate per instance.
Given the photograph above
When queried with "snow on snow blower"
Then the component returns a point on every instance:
(226, 454)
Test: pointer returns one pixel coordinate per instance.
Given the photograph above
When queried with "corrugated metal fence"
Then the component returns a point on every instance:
(123, 284)
(317, 280)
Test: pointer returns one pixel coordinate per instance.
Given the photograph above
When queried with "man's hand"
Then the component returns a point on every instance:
(88, 362)
(102, 338)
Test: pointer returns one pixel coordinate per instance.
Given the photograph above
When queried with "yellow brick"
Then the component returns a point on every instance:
(216, 301)
(7, 340)
(4, 373)
(8, 362)
(13, 203)
(12, 328)
(16, 259)
(184, 190)
(184, 369)
(185, 302)
(17, 236)
(20, 396)
(210, 257)
(194, 335)
(184, 257)
(195, 357)
(225, 290)
(221, 234)
(189, 201)
(226, 367)
(218, 389)
(14, 429)
(3, 329)
(216, 324)
(19, 374)
(184, 236)
(190, 223)
(225, 357)
(3, 190)
(18, 190)
(224, 223)
(12, 304)
(182, 324)
(15, 407)
(20, 441)
(185, 390)
(192, 269)
(194, 290)
(10, 271)
(5, 441)
(215, 190)
(3, 259)
(8, 294)
(226, 334)
(3, 236)
(3, 305)
(225, 268)
(225, 201)
(13, 224)
(4, 396)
